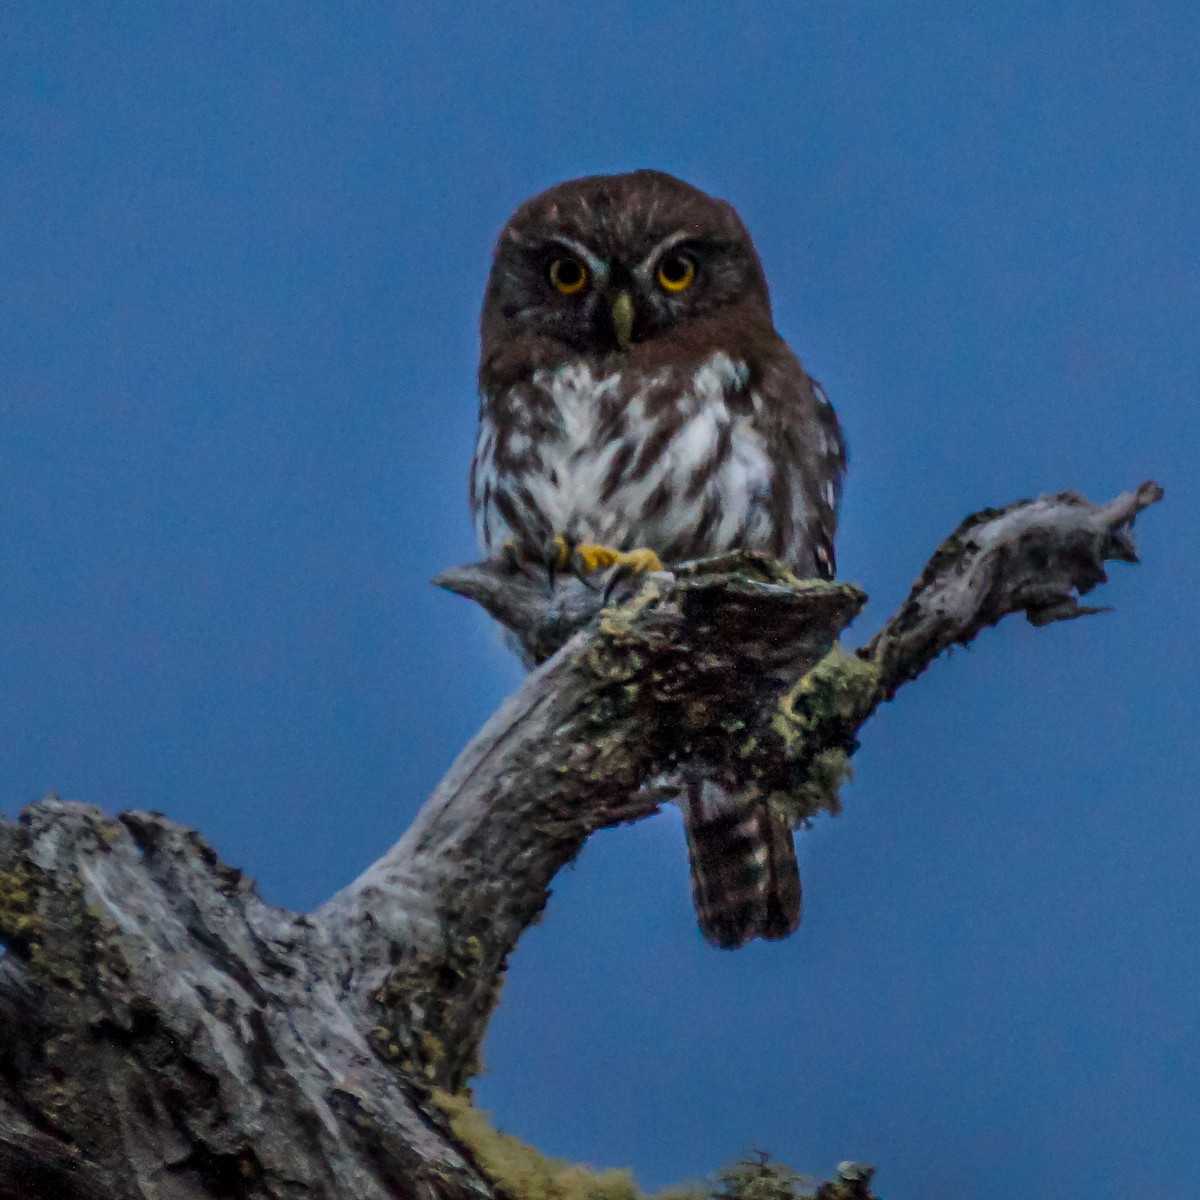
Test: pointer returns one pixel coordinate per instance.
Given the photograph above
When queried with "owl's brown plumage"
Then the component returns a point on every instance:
(634, 393)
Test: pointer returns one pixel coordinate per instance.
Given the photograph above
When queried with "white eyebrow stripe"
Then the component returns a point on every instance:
(682, 235)
(596, 264)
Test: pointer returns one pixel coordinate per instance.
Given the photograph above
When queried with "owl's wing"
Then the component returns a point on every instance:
(809, 454)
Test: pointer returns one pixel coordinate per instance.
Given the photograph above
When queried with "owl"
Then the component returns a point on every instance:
(637, 407)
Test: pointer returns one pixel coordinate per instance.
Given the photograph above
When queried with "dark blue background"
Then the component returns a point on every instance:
(242, 249)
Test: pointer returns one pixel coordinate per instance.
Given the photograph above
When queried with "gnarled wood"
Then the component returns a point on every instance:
(164, 1033)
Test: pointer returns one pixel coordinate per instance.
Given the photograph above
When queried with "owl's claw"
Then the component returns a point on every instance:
(559, 558)
(626, 572)
(590, 558)
(583, 560)
(555, 557)
(615, 577)
(515, 558)
(622, 565)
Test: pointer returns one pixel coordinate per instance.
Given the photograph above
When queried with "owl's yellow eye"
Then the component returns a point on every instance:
(676, 272)
(568, 275)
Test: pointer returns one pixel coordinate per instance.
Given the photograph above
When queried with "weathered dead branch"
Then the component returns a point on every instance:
(164, 1033)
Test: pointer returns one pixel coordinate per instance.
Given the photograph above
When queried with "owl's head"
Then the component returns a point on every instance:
(598, 265)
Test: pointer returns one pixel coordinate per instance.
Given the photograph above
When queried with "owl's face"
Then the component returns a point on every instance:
(599, 265)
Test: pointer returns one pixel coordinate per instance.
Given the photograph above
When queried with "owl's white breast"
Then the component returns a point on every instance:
(576, 461)
(577, 489)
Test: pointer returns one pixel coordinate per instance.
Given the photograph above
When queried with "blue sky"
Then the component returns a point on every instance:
(242, 258)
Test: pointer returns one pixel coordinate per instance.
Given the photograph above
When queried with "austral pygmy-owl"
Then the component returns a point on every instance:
(635, 398)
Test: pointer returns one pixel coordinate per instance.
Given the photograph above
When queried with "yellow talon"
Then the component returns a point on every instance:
(562, 553)
(642, 560)
(561, 556)
(591, 557)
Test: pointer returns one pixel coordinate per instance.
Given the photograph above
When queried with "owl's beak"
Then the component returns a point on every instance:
(622, 317)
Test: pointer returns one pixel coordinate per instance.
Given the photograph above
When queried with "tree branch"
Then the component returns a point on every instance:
(688, 670)
(163, 1032)
(1035, 556)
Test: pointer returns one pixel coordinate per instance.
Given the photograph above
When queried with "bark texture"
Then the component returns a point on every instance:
(165, 1034)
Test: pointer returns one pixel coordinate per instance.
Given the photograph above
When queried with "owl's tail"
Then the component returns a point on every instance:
(745, 880)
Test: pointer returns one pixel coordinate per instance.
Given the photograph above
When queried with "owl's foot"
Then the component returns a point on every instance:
(516, 557)
(583, 560)
(622, 565)
(555, 557)
(589, 558)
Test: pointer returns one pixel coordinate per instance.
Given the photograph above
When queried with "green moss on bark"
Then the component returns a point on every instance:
(520, 1171)
(20, 925)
